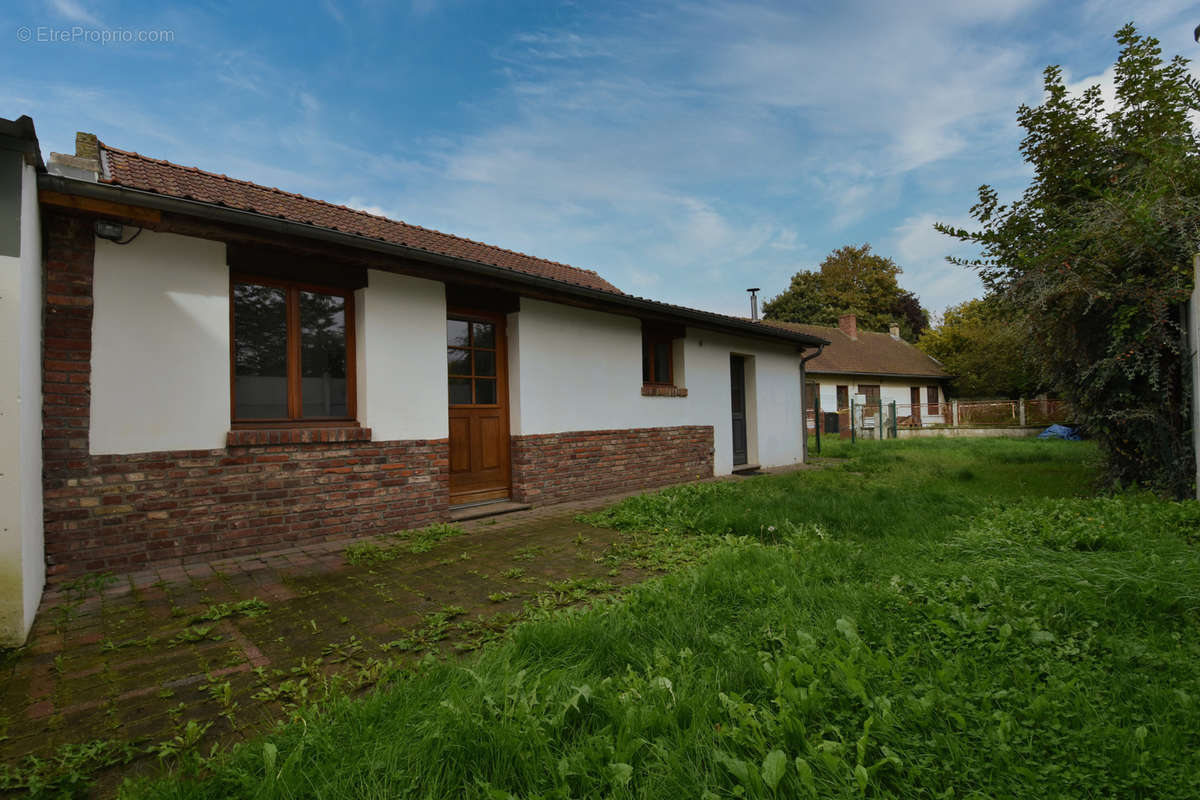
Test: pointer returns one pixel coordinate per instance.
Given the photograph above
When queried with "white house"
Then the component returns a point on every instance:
(877, 368)
(196, 365)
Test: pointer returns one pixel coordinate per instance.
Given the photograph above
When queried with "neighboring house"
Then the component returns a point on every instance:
(224, 368)
(877, 367)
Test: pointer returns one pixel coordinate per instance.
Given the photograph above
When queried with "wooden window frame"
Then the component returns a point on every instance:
(498, 321)
(870, 409)
(295, 400)
(649, 340)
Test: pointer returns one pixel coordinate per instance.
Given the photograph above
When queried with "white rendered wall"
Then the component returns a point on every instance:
(400, 347)
(160, 345)
(22, 553)
(897, 389)
(574, 370)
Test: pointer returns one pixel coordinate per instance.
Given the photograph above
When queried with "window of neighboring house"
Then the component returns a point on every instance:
(293, 356)
(658, 366)
(871, 391)
(931, 397)
(811, 393)
(843, 399)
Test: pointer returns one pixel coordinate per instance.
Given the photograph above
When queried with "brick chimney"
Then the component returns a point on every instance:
(894, 330)
(849, 325)
(84, 165)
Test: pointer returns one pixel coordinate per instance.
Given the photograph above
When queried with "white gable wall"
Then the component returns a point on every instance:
(578, 370)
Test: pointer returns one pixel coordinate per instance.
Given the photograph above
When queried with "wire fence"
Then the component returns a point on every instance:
(877, 419)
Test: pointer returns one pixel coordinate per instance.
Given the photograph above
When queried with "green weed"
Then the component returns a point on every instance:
(890, 630)
(68, 772)
(416, 541)
(219, 611)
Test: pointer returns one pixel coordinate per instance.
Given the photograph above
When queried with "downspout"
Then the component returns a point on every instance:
(803, 409)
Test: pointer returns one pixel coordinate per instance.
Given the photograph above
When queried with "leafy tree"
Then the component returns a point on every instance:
(851, 280)
(983, 344)
(804, 301)
(909, 315)
(1097, 250)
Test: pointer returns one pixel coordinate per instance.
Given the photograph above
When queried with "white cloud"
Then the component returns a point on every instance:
(685, 149)
(359, 204)
(921, 251)
(75, 12)
(334, 10)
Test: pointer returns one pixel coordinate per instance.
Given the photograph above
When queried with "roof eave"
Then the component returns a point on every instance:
(225, 214)
(880, 374)
(19, 135)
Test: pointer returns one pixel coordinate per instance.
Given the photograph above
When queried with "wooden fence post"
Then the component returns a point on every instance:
(1021, 412)
(954, 413)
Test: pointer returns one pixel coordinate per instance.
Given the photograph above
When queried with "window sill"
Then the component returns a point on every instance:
(256, 437)
(660, 390)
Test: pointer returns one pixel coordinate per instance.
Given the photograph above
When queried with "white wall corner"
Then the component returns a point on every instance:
(22, 550)
(513, 328)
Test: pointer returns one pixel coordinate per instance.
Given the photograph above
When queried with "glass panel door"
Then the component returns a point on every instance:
(471, 362)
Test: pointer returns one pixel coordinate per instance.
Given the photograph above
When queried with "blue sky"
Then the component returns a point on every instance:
(685, 151)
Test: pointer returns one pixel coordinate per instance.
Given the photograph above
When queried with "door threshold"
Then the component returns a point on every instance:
(742, 469)
(485, 508)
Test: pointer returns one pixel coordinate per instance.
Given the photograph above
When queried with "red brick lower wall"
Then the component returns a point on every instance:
(552, 467)
(123, 512)
(266, 490)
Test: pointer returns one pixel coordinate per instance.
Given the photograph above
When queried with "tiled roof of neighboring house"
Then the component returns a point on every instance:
(134, 171)
(869, 354)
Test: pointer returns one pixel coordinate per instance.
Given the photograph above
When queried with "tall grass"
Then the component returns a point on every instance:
(932, 619)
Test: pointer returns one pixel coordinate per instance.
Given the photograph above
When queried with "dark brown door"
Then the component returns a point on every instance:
(872, 394)
(479, 449)
(737, 387)
(914, 398)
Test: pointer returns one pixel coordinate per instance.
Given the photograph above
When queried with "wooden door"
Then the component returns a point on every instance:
(914, 397)
(737, 388)
(480, 467)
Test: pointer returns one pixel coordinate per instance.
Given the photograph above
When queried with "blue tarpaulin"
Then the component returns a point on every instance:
(1060, 432)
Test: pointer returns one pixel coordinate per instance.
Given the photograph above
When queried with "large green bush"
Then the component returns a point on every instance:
(1098, 251)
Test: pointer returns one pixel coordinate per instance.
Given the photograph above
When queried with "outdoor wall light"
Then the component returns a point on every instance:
(113, 231)
(107, 229)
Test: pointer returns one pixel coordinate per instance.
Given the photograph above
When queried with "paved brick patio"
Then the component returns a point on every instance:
(134, 658)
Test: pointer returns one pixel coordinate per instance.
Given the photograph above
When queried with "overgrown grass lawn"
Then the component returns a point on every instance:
(929, 619)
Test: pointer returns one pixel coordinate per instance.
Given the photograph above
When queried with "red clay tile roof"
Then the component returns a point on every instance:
(871, 354)
(134, 171)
